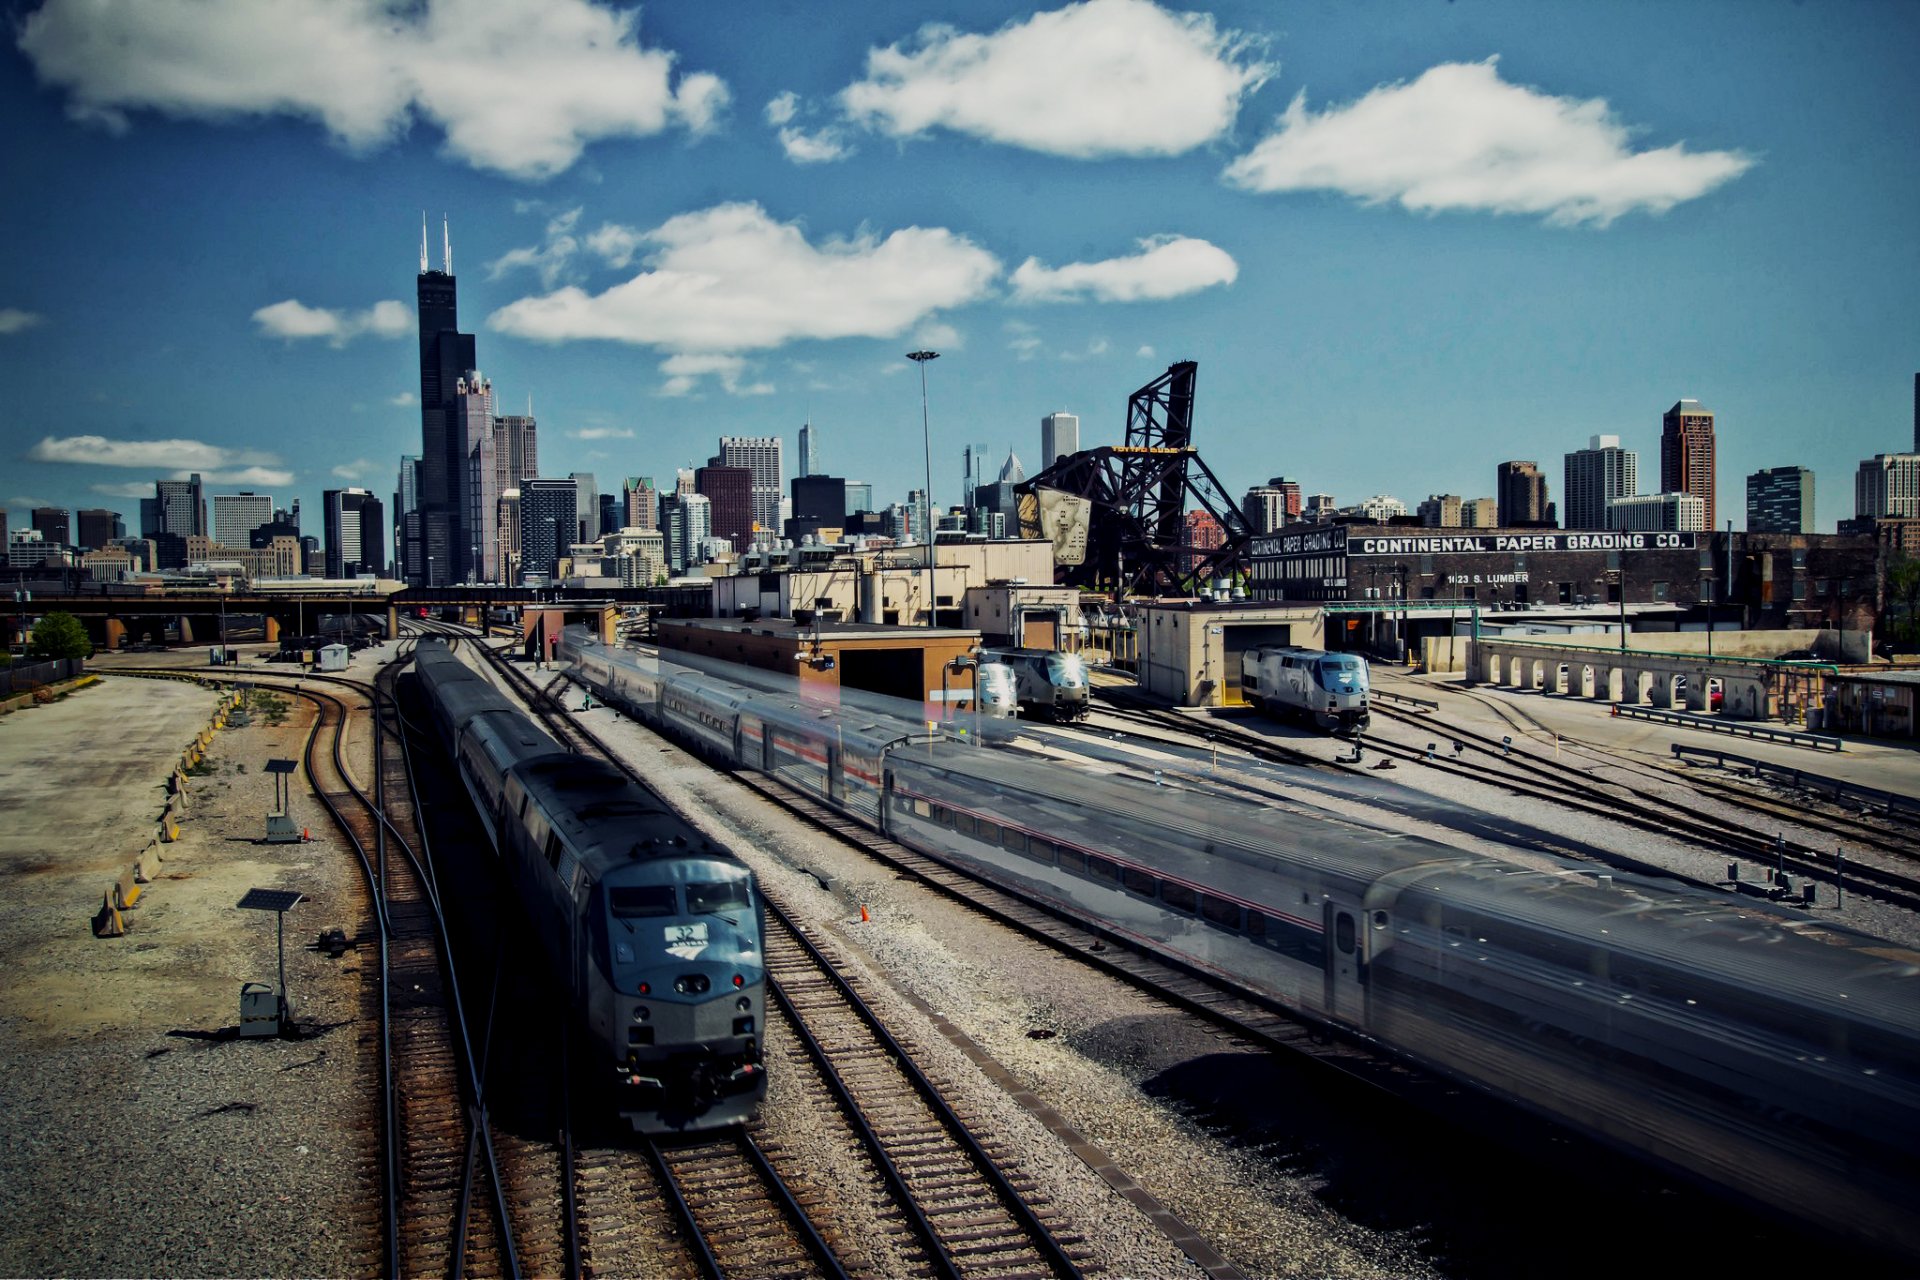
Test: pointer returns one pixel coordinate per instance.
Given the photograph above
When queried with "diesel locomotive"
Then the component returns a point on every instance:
(1759, 1050)
(1328, 689)
(653, 933)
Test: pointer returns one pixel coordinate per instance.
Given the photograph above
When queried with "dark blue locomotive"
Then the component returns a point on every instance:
(1752, 1047)
(653, 932)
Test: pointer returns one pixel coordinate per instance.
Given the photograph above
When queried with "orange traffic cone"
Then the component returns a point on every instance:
(305, 835)
(863, 913)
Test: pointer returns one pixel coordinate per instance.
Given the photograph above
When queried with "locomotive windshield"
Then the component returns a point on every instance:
(633, 901)
(724, 897)
(1341, 673)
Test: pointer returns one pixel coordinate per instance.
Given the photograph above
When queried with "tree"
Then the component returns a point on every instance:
(1903, 585)
(60, 635)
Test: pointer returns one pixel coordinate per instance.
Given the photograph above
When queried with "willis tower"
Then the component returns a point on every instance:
(437, 546)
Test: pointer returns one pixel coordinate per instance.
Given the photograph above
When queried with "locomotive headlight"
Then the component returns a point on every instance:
(640, 1013)
(743, 1004)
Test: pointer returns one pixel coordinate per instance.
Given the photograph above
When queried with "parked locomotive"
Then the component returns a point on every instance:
(1048, 684)
(1330, 689)
(1768, 1054)
(652, 931)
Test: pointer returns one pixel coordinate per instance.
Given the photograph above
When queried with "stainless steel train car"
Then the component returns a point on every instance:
(653, 932)
(1328, 689)
(1049, 685)
(1757, 1049)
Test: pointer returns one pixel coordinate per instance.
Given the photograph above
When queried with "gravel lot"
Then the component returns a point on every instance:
(142, 1137)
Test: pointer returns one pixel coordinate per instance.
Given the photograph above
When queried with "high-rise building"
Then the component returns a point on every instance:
(549, 510)
(686, 520)
(98, 527)
(1522, 491)
(643, 503)
(1686, 452)
(1596, 476)
(176, 512)
(762, 455)
(1916, 413)
(1381, 507)
(1479, 513)
(1272, 505)
(1658, 513)
(55, 525)
(1318, 508)
(1887, 484)
(407, 554)
(1441, 511)
(1200, 533)
(819, 502)
(587, 493)
(859, 496)
(446, 356)
(482, 477)
(355, 526)
(1780, 500)
(729, 491)
(1059, 436)
(237, 515)
(809, 450)
(918, 529)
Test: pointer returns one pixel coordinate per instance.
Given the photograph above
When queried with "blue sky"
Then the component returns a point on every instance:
(1405, 242)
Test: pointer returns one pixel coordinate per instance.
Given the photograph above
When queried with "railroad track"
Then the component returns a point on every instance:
(968, 1216)
(1569, 788)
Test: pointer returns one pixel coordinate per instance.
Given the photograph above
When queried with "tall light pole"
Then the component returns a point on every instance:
(926, 443)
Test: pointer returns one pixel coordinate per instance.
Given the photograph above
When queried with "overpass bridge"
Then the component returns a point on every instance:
(1752, 688)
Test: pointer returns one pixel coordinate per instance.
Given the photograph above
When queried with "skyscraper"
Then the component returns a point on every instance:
(809, 451)
(1686, 452)
(762, 455)
(446, 355)
(55, 525)
(1272, 505)
(1596, 476)
(643, 503)
(1887, 484)
(1059, 436)
(356, 532)
(859, 496)
(730, 491)
(1441, 511)
(686, 520)
(1658, 512)
(176, 512)
(408, 557)
(1780, 500)
(549, 511)
(1522, 491)
(97, 527)
(237, 515)
(587, 491)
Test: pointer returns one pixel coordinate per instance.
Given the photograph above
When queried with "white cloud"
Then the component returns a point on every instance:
(615, 244)
(405, 399)
(1022, 340)
(781, 110)
(1095, 348)
(294, 320)
(684, 372)
(516, 86)
(1103, 78)
(549, 259)
(30, 503)
(265, 477)
(1165, 267)
(352, 470)
(602, 433)
(131, 489)
(939, 337)
(823, 146)
(13, 320)
(731, 279)
(1459, 137)
(1144, 353)
(169, 455)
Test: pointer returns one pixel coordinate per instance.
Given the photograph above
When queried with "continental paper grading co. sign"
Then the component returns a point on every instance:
(1496, 543)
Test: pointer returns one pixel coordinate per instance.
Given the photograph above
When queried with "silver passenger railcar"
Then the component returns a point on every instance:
(1328, 689)
(1764, 1052)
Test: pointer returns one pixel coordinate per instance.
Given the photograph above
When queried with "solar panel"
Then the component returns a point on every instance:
(269, 899)
(281, 766)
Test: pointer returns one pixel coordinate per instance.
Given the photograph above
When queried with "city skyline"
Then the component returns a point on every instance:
(1734, 231)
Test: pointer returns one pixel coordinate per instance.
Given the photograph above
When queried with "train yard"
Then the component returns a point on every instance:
(498, 1162)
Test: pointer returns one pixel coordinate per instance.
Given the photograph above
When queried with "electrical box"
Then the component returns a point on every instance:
(281, 829)
(259, 1010)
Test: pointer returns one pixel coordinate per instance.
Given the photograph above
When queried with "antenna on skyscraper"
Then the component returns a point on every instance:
(423, 242)
(446, 246)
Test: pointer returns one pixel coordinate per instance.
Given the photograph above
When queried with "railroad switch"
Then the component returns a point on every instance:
(334, 942)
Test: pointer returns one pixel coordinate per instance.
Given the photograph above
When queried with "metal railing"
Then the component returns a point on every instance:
(1742, 728)
(35, 675)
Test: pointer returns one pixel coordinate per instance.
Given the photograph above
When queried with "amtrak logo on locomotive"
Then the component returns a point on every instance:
(686, 941)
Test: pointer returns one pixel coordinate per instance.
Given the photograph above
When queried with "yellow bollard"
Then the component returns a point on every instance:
(107, 922)
(126, 893)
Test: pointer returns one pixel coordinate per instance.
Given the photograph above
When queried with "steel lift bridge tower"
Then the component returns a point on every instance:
(1139, 494)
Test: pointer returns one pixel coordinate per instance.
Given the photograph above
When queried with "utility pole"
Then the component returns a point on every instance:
(926, 443)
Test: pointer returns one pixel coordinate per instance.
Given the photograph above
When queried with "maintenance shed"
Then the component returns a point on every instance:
(1190, 649)
(1880, 704)
(900, 662)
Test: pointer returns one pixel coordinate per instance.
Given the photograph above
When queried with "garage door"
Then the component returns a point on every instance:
(1235, 640)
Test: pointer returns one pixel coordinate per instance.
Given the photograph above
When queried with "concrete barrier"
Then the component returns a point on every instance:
(107, 922)
(146, 868)
(126, 893)
(169, 830)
